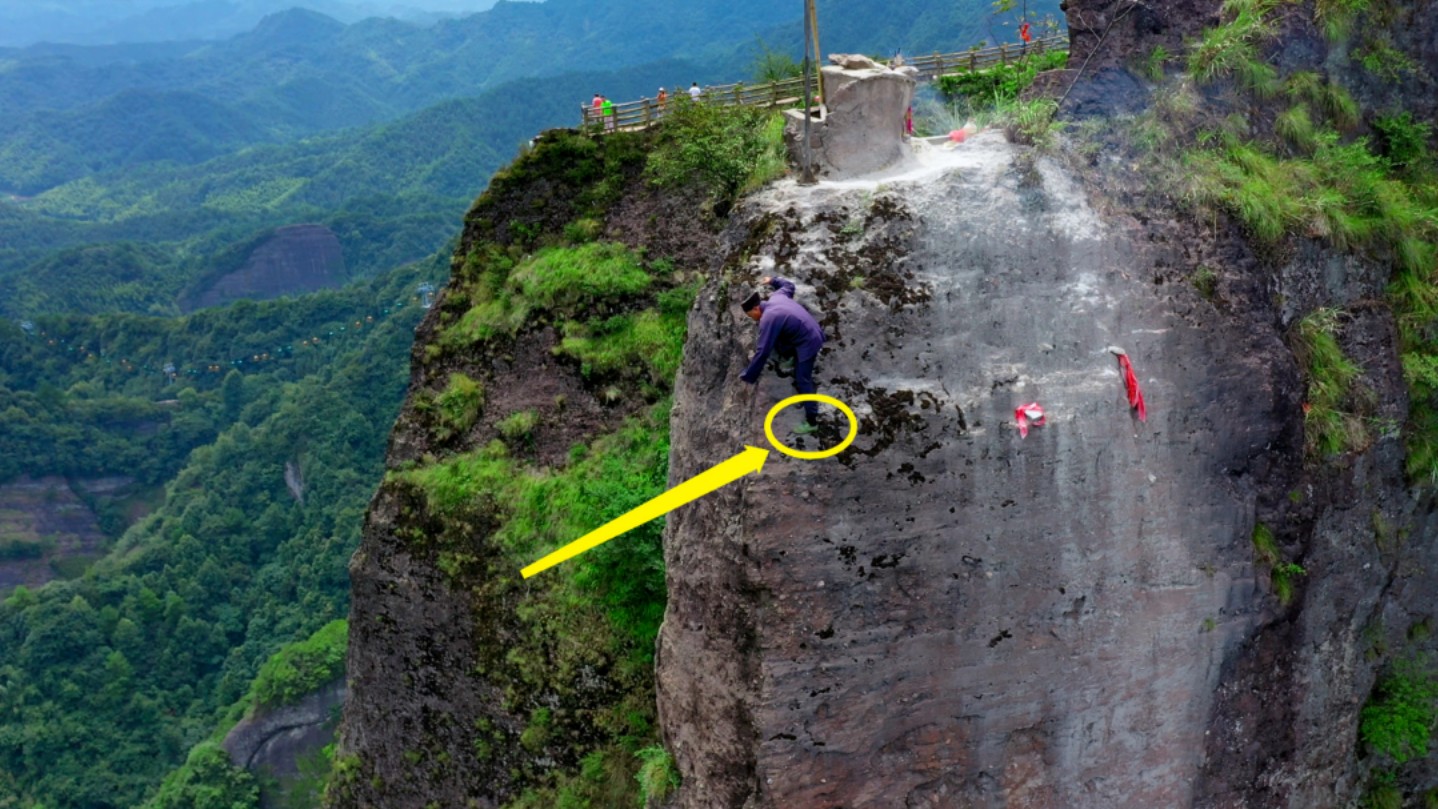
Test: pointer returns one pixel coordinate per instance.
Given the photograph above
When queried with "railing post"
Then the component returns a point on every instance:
(973, 61)
(1004, 53)
(738, 89)
(774, 94)
(648, 112)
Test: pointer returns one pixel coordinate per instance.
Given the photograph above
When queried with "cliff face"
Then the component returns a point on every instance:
(46, 521)
(950, 615)
(983, 618)
(469, 686)
(293, 260)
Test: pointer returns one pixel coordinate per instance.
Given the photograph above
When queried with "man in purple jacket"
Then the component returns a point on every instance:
(788, 330)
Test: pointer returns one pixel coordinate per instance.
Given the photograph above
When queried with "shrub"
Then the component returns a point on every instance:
(1330, 429)
(716, 149)
(1295, 126)
(1232, 48)
(1336, 17)
(1265, 548)
(1403, 142)
(999, 83)
(302, 668)
(14, 548)
(1152, 65)
(572, 279)
(207, 780)
(565, 281)
(459, 405)
(657, 775)
(518, 425)
(1397, 722)
(1282, 576)
(1031, 122)
(628, 345)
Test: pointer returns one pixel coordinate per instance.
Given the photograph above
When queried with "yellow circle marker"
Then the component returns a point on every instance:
(817, 454)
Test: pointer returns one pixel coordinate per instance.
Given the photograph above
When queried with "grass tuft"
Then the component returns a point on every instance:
(1330, 428)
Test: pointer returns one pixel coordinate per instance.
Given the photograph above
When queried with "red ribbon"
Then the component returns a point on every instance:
(1022, 415)
(1130, 384)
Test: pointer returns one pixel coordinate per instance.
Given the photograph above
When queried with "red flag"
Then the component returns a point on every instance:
(1130, 383)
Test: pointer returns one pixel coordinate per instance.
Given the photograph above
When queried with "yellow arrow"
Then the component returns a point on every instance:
(750, 460)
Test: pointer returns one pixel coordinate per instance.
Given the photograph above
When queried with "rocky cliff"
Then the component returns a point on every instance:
(290, 261)
(1197, 608)
(49, 527)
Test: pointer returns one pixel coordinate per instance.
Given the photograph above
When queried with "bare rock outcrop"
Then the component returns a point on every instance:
(1072, 620)
(272, 741)
(292, 260)
(854, 61)
(46, 520)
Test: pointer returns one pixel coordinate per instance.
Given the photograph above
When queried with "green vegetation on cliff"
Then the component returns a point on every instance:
(1306, 171)
(505, 479)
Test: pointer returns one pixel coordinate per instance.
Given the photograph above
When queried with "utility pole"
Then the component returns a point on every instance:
(806, 173)
(813, 12)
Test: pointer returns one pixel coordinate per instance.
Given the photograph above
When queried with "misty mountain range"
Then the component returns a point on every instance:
(106, 22)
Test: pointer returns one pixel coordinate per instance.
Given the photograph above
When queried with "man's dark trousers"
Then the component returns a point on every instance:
(804, 383)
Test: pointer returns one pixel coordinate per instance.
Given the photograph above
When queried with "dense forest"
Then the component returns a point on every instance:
(108, 679)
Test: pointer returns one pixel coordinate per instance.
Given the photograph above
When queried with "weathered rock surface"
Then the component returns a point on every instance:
(862, 128)
(293, 260)
(271, 742)
(49, 511)
(1109, 33)
(854, 61)
(951, 616)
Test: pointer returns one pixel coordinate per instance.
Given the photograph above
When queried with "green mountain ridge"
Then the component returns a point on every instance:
(391, 192)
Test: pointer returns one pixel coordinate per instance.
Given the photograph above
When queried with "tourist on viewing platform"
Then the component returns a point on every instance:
(608, 110)
(598, 107)
(694, 91)
(663, 99)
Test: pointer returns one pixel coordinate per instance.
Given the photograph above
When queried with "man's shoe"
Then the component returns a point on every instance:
(806, 429)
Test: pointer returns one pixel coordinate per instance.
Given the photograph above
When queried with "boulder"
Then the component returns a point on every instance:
(861, 127)
(854, 61)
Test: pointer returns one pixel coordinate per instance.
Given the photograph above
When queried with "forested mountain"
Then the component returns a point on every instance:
(106, 680)
(23, 22)
(190, 156)
(391, 193)
(300, 72)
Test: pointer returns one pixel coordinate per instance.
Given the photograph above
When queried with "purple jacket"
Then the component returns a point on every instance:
(785, 327)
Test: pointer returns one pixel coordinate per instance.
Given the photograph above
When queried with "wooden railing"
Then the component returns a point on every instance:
(640, 114)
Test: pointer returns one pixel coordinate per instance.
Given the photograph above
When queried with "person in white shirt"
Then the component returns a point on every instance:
(694, 91)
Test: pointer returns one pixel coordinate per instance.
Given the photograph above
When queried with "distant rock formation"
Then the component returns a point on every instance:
(293, 260)
(44, 521)
(273, 741)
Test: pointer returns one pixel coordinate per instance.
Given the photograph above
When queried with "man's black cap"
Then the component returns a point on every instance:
(750, 302)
